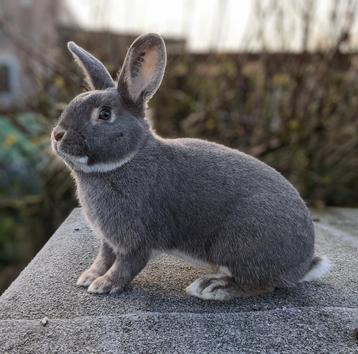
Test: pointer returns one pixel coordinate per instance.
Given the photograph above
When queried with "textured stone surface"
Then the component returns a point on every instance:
(155, 314)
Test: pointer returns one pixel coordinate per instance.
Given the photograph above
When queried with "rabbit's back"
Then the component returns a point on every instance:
(238, 212)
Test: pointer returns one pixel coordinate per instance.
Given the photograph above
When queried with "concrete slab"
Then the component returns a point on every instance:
(294, 330)
(155, 314)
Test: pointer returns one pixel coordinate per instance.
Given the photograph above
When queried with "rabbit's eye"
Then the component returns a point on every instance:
(104, 113)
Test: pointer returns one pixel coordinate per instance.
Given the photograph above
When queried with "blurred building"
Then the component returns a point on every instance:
(28, 39)
(33, 36)
(111, 47)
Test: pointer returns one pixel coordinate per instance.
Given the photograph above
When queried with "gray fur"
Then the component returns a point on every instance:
(95, 72)
(130, 78)
(205, 200)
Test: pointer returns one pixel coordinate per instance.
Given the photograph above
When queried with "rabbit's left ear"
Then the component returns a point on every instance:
(97, 76)
(143, 69)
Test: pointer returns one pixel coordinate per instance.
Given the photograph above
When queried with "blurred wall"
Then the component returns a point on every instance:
(28, 46)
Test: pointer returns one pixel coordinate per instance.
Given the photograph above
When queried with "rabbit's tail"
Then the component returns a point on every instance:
(320, 266)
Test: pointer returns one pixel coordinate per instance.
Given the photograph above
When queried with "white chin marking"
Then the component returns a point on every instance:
(103, 166)
(80, 163)
(80, 160)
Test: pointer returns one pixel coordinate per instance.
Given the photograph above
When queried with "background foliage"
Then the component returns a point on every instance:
(297, 112)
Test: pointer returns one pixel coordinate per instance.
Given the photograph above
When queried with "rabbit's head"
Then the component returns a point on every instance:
(103, 128)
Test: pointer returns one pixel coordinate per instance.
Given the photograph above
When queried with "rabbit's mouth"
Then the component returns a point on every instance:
(72, 151)
(84, 161)
(72, 160)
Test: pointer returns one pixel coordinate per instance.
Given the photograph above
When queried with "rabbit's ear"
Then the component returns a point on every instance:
(95, 72)
(143, 68)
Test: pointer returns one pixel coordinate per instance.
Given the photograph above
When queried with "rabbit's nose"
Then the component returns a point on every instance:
(58, 133)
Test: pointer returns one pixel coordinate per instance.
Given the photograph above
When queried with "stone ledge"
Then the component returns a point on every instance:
(155, 314)
(295, 330)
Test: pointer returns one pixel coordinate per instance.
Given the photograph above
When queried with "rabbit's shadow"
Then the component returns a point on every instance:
(160, 287)
(153, 297)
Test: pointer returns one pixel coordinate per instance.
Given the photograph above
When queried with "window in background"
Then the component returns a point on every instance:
(5, 84)
(9, 81)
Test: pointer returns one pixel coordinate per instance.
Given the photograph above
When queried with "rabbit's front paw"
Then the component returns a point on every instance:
(87, 277)
(105, 284)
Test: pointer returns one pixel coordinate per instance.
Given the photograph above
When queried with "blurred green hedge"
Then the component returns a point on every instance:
(297, 112)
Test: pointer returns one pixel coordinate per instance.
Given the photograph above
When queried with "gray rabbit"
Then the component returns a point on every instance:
(202, 201)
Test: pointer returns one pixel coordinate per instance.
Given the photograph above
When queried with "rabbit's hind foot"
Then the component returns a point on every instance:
(221, 287)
